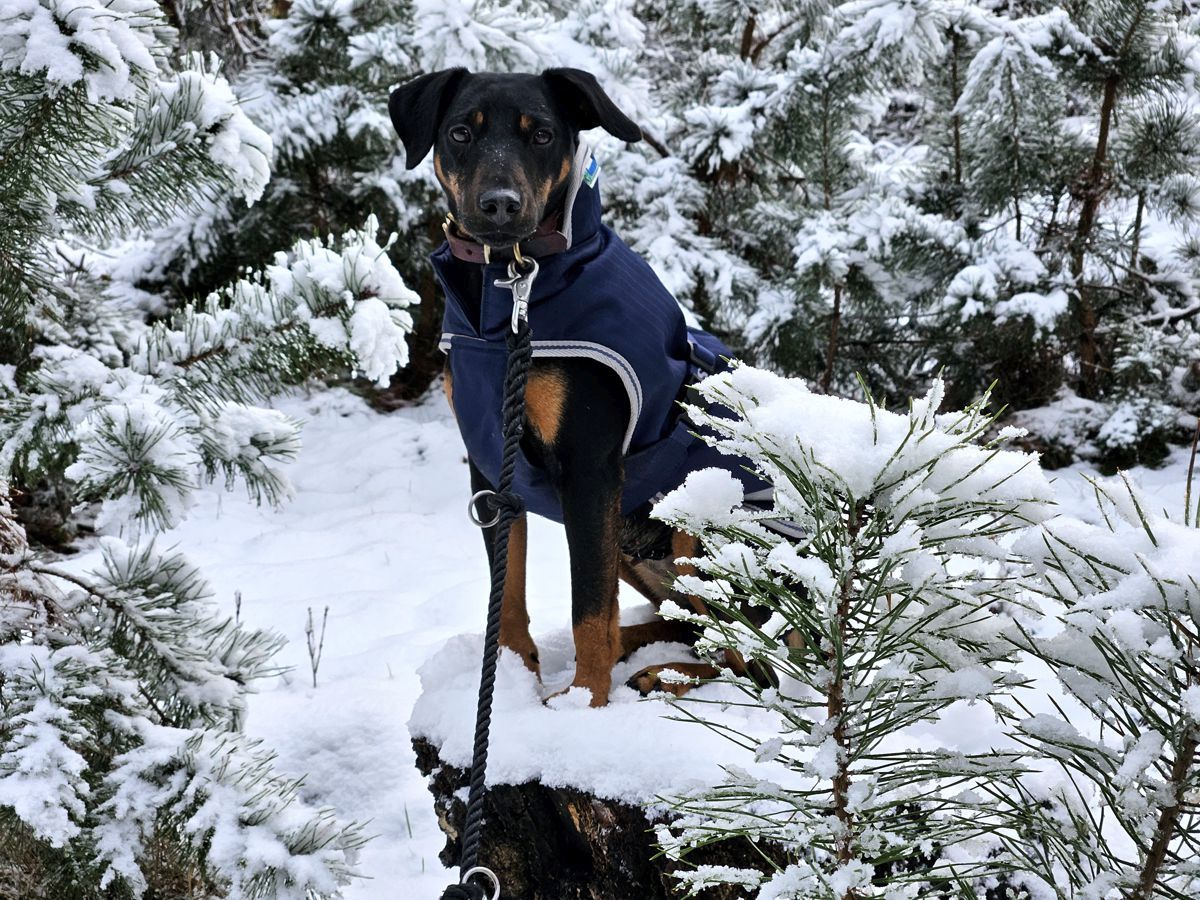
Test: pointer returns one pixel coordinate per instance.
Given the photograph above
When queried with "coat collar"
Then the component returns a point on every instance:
(578, 220)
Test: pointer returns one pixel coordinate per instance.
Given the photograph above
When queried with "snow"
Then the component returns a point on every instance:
(232, 140)
(377, 531)
(866, 451)
(709, 495)
(1191, 702)
(377, 340)
(106, 44)
(625, 751)
(44, 780)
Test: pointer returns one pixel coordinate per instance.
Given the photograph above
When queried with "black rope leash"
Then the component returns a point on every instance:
(508, 506)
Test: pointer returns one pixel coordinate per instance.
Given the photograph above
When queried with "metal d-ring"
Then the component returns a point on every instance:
(473, 515)
(487, 873)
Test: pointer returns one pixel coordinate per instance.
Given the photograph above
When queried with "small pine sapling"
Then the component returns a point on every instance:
(1123, 639)
(888, 604)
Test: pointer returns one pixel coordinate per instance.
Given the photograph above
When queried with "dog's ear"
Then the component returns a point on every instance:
(417, 109)
(587, 105)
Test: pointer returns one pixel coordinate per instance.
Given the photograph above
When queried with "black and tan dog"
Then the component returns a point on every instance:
(506, 150)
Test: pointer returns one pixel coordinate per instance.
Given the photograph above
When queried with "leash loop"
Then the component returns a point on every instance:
(473, 509)
(503, 501)
(489, 875)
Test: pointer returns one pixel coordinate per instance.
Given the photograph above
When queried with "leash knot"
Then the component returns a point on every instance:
(509, 502)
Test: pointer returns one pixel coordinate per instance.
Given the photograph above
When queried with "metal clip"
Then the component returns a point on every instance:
(521, 285)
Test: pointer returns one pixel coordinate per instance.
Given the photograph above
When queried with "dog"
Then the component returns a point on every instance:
(612, 355)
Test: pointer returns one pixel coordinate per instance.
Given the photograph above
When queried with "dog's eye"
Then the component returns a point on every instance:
(460, 134)
(543, 136)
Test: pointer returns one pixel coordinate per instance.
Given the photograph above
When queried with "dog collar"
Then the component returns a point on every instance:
(547, 240)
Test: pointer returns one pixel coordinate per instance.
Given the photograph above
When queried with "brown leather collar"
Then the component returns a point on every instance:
(545, 241)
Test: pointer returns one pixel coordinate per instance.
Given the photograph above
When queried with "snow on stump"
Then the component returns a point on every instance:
(571, 807)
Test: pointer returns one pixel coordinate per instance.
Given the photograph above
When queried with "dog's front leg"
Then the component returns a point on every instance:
(514, 616)
(592, 516)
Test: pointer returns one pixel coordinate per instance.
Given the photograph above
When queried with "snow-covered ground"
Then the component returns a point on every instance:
(378, 532)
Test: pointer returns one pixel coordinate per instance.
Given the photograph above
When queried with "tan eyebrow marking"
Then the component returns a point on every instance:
(477, 117)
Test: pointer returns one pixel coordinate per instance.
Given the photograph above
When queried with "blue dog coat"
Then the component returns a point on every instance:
(596, 300)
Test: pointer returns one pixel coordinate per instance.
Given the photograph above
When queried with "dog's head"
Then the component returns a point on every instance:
(503, 145)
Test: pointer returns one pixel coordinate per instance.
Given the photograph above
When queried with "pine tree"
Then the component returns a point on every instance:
(912, 187)
(131, 412)
(1126, 597)
(1080, 141)
(123, 691)
(875, 620)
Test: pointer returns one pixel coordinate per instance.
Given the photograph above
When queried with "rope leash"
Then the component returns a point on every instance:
(509, 507)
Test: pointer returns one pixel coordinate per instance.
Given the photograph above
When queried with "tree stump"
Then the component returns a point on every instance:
(549, 843)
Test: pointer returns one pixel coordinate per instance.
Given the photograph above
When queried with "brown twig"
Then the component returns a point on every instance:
(1187, 492)
(835, 709)
(1170, 316)
(657, 144)
(1168, 819)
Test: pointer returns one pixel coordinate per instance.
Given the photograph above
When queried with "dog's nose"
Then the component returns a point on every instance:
(500, 205)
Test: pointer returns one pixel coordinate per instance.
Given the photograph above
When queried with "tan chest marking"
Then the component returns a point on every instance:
(545, 398)
(448, 386)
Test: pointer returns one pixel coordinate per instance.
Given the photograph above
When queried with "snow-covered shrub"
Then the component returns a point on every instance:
(1136, 432)
(121, 694)
(180, 401)
(100, 133)
(1123, 636)
(997, 193)
(890, 608)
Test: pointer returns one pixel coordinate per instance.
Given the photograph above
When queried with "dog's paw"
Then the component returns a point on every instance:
(596, 694)
(528, 656)
(673, 678)
(571, 697)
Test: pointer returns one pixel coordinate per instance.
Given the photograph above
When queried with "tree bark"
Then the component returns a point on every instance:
(550, 843)
(1095, 188)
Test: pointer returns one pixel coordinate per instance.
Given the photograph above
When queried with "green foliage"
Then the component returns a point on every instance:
(892, 592)
(1126, 596)
(180, 396)
(122, 692)
(874, 608)
(995, 193)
